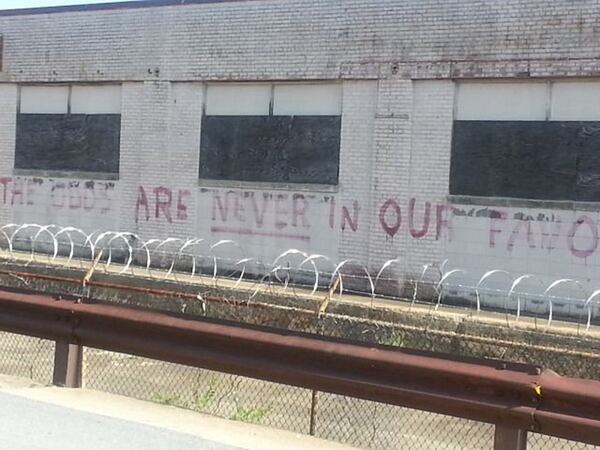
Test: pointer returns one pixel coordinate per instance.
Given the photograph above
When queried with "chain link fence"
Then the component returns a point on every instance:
(26, 357)
(355, 422)
(359, 423)
(541, 442)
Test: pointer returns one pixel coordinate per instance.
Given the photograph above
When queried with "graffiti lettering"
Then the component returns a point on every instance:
(392, 228)
(299, 215)
(549, 239)
(57, 195)
(164, 206)
(593, 242)
(182, 204)
(544, 233)
(352, 221)
(493, 227)
(280, 211)
(300, 205)
(517, 232)
(142, 202)
(163, 198)
(443, 222)
(418, 234)
(259, 214)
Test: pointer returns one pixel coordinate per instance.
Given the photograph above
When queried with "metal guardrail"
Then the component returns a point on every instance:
(516, 398)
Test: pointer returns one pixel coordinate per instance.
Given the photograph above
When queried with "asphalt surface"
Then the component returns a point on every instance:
(38, 417)
(27, 424)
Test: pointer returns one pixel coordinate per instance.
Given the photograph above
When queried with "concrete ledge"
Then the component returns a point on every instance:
(565, 205)
(66, 174)
(208, 428)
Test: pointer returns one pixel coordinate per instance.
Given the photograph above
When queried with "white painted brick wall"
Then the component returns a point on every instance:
(132, 152)
(301, 39)
(8, 126)
(390, 177)
(160, 143)
(429, 172)
(398, 61)
(356, 166)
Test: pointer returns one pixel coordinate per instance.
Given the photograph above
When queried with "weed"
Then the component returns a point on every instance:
(250, 414)
(203, 401)
(171, 400)
(394, 340)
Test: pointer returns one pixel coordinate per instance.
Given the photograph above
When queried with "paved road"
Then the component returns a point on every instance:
(35, 417)
(27, 424)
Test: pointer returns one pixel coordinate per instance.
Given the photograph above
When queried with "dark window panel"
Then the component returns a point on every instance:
(68, 142)
(587, 188)
(537, 160)
(278, 149)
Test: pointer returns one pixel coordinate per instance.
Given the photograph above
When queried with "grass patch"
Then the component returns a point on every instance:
(251, 414)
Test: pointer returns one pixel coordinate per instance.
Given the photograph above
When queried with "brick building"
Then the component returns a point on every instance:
(360, 129)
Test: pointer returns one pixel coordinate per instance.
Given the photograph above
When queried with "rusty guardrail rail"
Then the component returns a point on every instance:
(517, 398)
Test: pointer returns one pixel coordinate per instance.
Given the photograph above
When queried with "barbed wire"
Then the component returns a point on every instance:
(196, 259)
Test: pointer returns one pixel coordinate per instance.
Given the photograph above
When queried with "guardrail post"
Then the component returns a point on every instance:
(510, 438)
(313, 413)
(68, 361)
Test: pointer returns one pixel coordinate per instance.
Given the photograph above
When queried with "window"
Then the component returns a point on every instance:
(283, 133)
(535, 140)
(69, 128)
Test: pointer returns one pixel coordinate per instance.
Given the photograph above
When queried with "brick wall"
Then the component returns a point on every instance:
(317, 39)
(8, 123)
(354, 212)
(397, 62)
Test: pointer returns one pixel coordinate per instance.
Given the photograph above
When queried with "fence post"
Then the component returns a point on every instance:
(510, 438)
(313, 413)
(68, 361)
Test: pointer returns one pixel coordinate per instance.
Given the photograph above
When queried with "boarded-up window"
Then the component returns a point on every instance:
(287, 133)
(69, 128)
(527, 140)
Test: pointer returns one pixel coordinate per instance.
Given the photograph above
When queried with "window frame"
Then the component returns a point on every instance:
(272, 185)
(51, 173)
(499, 201)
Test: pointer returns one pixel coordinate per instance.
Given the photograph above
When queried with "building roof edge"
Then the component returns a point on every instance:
(139, 4)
